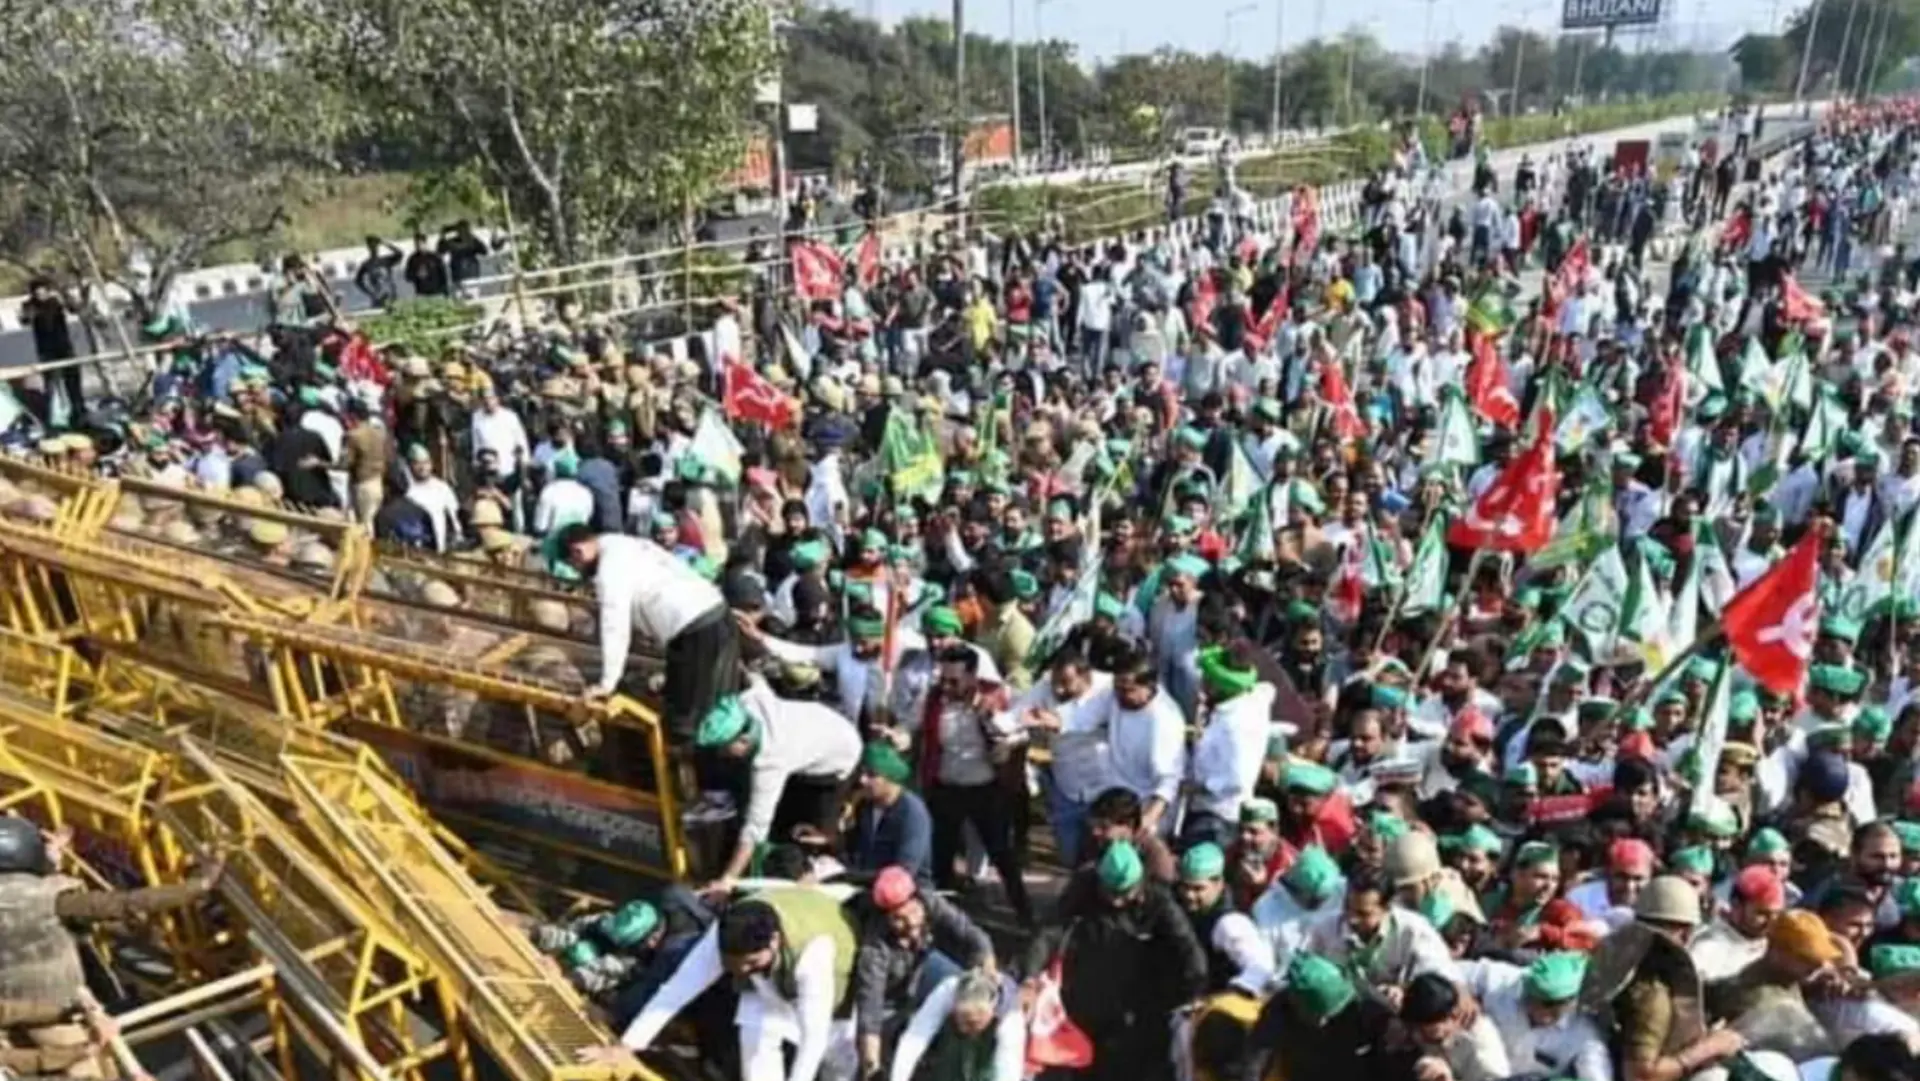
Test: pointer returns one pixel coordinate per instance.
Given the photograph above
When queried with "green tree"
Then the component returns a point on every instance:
(597, 118)
(138, 137)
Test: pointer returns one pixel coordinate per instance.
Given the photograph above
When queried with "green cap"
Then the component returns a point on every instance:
(884, 760)
(662, 520)
(1314, 874)
(1839, 626)
(580, 953)
(1475, 838)
(1306, 497)
(1767, 842)
(1873, 723)
(1216, 668)
(1319, 986)
(1524, 775)
(1556, 977)
(1386, 826)
(1909, 834)
(1025, 585)
(1120, 868)
(309, 396)
(1743, 706)
(1892, 960)
(1301, 611)
(723, 724)
(1187, 565)
(943, 620)
(1191, 437)
(873, 540)
(630, 924)
(808, 554)
(1535, 853)
(1310, 777)
(1385, 697)
(1703, 669)
(1258, 810)
(1906, 897)
(1837, 680)
(1203, 862)
(1176, 524)
(1110, 606)
(867, 627)
(1716, 820)
(1697, 859)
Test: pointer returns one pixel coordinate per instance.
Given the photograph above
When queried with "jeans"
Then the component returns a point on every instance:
(1069, 820)
(990, 811)
(1093, 351)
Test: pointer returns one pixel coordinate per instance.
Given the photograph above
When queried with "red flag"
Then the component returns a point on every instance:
(1515, 514)
(1489, 384)
(1053, 1040)
(1573, 270)
(1269, 324)
(1206, 293)
(1339, 398)
(1306, 222)
(1349, 593)
(749, 397)
(866, 259)
(1668, 408)
(1771, 623)
(1796, 306)
(818, 270)
(1738, 230)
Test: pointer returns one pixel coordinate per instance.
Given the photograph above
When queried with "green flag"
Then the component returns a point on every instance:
(1426, 587)
(1238, 488)
(1454, 439)
(1713, 736)
(1491, 312)
(1586, 530)
(1703, 367)
(1875, 581)
(1593, 611)
(1906, 564)
(1256, 543)
(1825, 422)
(911, 457)
(1587, 417)
(1753, 366)
(1644, 617)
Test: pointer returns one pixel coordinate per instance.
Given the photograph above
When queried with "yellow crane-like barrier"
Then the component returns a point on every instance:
(516, 1001)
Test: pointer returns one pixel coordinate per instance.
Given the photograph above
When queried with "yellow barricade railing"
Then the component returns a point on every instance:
(516, 1002)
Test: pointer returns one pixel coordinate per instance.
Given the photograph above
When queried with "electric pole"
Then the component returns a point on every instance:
(1013, 74)
(1279, 58)
(1806, 52)
(962, 121)
(1846, 38)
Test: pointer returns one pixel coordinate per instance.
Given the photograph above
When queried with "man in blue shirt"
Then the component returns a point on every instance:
(891, 825)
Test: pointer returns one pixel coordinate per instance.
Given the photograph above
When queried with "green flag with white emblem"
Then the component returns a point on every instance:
(1454, 439)
(1426, 587)
(1594, 609)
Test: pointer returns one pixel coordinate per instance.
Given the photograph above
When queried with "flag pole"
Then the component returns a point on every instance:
(1452, 616)
(1645, 687)
(1400, 591)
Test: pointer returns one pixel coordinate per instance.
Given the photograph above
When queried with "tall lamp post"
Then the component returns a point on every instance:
(1279, 58)
(1426, 64)
(1013, 74)
(1226, 57)
(1040, 75)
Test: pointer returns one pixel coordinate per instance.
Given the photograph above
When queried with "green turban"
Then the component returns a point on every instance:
(1386, 826)
(1767, 842)
(1310, 777)
(1258, 811)
(1872, 723)
(1314, 875)
(1475, 838)
(1320, 987)
(808, 554)
(1120, 868)
(1220, 675)
(1909, 834)
(942, 620)
(1203, 863)
(630, 924)
(1535, 853)
(1110, 606)
(1697, 859)
(723, 724)
(1556, 977)
(884, 760)
(1025, 585)
(867, 627)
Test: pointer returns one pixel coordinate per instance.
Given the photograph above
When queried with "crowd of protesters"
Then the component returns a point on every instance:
(1475, 641)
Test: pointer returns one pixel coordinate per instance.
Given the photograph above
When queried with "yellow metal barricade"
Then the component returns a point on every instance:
(515, 1001)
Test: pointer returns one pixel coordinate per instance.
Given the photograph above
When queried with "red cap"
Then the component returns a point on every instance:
(1473, 724)
(892, 888)
(1636, 745)
(1631, 855)
(1760, 883)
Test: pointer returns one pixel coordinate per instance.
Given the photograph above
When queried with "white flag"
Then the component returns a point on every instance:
(1594, 608)
(1454, 440)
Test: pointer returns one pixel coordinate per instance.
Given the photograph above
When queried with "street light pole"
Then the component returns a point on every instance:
(1426, 64)
(1279, 58)
(1040, 78)
(962, 121)
(1013, 74)
(1846, 38)
(1806, 53)
(1519, 52)
(1866, 47)
(1226, 59)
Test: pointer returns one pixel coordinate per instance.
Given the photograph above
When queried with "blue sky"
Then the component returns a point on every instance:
(1108, 27)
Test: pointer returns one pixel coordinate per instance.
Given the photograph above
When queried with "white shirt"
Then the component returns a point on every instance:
(797, 739)
(1148, 747)
(1096, 305)
(1287, 924)
(1228, 754)
(435, 496)
(807, 1018)
(1082, 764)
(1236, 938)
(1009, 1032)
(1719, 951)
(563, 500)
(501, 432)
(639, 582)
(857, 679)
(328, 428)
(1410, 948)
(1571, 1047)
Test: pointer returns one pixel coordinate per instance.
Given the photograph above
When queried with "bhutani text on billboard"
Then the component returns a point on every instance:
(1595, 14)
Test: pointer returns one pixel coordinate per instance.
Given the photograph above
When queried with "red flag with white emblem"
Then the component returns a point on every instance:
(1489, 384)
(1339, 399)
(748, 396)
(1796, 306)
(818, 270)
(1515, 514)
(1771, 623)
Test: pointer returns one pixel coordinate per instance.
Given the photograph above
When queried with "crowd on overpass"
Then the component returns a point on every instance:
(1479, 640)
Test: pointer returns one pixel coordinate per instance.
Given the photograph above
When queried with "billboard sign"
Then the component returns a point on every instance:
(1606, 14)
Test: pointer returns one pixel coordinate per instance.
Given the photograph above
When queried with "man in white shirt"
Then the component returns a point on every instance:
(1097, 300)
(1738, 937)
(563, 499)
(637, 581)
(800, 755)
(1534, 1011)
(498, 429)
(1073, 707)
(1470, 1050)
(433, 495)
(1231, 748)
(1146, 740)
(802, 928)
(973, 1006)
